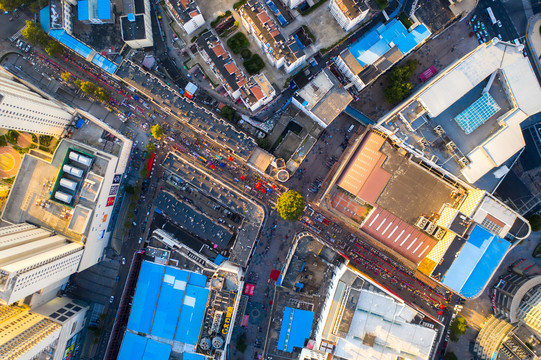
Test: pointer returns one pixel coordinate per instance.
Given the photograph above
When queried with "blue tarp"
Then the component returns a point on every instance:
(476, 262)
(296, 328)
(156, 351)
(146, 297)
(70, 42)
(191, 315)
(169, 302)
(104, 63)
(45, 19)
(132, 347)
(79, 123)
(219, 259)
(82, 10)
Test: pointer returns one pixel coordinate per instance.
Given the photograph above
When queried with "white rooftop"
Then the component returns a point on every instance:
(387, 320)
(458, 79)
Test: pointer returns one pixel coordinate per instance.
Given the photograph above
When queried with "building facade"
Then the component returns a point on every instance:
(32, 259)
(25, 110)
(348, 13)
(50, 331)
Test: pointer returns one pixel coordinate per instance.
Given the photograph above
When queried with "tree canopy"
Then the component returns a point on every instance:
(54, 48)
(535, 222)
(458, 327)
(34, 35)
(66, 76)
(88, 87)
(9, 5)
(102, 94)
(290, 205)
(450, 356)
(156, 131)
(398, 82)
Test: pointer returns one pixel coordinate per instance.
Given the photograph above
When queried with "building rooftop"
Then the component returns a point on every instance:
(366, 321)
(269, 33)
(159, 287)
(184, 10)
(230, 73)
(133, 27)
(306, 279)
(378, 41)
(324, 97)
(352, 8)
(184, 312)
(467, 118)
(215, 128)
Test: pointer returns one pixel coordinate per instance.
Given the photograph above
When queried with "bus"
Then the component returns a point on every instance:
(491, 15)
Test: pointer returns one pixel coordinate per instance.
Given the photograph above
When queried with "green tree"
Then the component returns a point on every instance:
(458, 328)
(290, 205)
(229, 113)
(102, 94)
(156, 131)
(450, 356)
(54, 48)
(238, 42)
(535, 222)
(129, 189)
(66, 76)
(150, 147)
(398, 82)
(9, 5)
(78, 83)
(34, 35)
(254, 64)
(88, 87)
(241, 343)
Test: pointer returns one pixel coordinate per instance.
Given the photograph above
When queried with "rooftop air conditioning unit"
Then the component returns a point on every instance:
(440, 233)
(421, 222)
(431, 228)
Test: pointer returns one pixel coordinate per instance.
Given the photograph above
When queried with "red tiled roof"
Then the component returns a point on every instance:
(218, 50)
(263, 17)
(231, 68)
(258, 93)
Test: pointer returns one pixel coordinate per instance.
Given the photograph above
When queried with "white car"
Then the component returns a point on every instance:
(111, 299)
(140, 240)
(123, 261)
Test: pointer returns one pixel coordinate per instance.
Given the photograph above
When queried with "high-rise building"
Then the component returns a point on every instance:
(50, 330)
(32, 259)
(26, 110)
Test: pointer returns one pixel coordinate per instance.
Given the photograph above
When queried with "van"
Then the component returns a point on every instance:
(351, 128)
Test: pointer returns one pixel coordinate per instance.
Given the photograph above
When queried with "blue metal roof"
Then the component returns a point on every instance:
(132, 347)
(104, 9)
(191, 314)
(146, 297)
(82, 10)
(70, 42)
(296, 328)
(169, 302)
(192, 356)
(378, 41)
(156, 351)
(104, 63)
(197, 280)
(45, 19)
(476, 262)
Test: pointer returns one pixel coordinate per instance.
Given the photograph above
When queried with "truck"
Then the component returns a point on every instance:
(491, 16)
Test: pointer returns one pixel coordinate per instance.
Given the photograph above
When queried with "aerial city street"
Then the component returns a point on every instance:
(270, 179)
